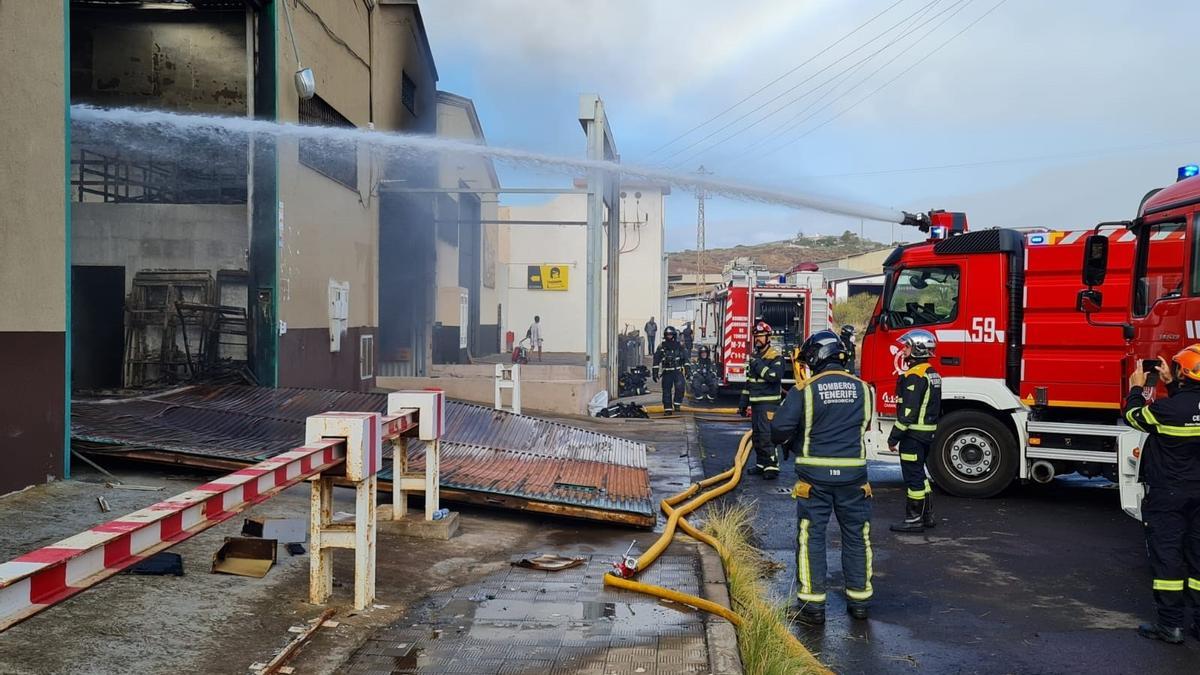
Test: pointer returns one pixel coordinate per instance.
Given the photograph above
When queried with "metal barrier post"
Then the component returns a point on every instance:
(508, 376)
(431, 407)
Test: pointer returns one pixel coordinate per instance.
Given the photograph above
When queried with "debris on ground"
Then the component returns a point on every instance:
(282, 530)
(104, 506)
(246, 557)
(159, 564)
(549, 562)
(276, 665)
(624, 410)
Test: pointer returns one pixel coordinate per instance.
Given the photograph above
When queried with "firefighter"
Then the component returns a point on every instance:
(762, 396)
(704, 376)
(847, 336)
(669, 364)
(823, 420)
(1171, 470)
(919, 389)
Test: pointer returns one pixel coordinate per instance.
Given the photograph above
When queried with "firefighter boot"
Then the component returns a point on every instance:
(755, 470)
(809, 613)
(770, 472)
(1156, 631)
(857, 610)
(927, 519)
(913, 509)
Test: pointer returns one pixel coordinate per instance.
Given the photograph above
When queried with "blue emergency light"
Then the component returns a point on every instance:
(1187, 171)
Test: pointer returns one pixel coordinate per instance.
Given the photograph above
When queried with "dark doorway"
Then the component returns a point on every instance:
(97, 326)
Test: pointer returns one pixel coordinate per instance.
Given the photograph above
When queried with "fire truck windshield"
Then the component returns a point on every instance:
(921, 296)
(1159, 273)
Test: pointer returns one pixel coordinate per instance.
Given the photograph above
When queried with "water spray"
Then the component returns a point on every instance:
(113, 121)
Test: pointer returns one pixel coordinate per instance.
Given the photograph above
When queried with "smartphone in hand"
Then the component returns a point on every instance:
(1150, 367)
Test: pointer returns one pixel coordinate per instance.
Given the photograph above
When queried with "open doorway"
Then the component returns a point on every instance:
(97, 326)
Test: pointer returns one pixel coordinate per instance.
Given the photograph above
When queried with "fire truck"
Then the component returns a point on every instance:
(1032, 388)
(1162, 310)
(795, 304)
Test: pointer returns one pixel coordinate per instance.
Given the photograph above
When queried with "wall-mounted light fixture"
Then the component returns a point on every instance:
(306, 82)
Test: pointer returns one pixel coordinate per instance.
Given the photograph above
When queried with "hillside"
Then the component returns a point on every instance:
(778, 256)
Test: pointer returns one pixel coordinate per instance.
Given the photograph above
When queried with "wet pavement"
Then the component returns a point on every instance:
(529, 621)
(517, 620)
(1043, 579)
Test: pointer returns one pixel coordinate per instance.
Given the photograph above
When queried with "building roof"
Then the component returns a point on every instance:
(690, 291)
(841, 274)
(469, 106)
(425, 47)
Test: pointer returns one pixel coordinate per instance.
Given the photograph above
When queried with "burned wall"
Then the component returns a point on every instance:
(181, 60)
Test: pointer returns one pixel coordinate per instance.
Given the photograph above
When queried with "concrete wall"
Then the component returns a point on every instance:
(564, 313)
(33, 242)
(406, 242)
(457, 119)
(330, 232)
(553, 389)
(159, 236)
(165, 59)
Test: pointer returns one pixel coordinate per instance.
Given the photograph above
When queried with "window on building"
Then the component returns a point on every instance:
(366, 357)
(408, 92)
(337, 160)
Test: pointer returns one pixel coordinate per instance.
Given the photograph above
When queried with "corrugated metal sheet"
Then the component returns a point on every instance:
(484, 450)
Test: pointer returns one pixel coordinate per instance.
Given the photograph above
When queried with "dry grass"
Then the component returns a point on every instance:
(765, 640)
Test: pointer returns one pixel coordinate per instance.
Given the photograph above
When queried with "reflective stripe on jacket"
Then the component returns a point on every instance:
(920, 392)
(825, 419)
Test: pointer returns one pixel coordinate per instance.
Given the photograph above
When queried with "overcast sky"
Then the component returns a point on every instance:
(1066, 112)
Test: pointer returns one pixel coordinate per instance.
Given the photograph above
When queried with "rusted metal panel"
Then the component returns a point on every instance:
(492, 457)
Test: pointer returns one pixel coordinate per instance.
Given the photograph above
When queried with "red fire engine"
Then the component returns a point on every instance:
(795, 304)
(1031, 388)
(1162, 311)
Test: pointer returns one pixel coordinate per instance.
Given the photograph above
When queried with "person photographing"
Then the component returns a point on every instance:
(1170, 467)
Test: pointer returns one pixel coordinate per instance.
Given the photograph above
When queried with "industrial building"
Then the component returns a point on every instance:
(153, 261)
(550, 239)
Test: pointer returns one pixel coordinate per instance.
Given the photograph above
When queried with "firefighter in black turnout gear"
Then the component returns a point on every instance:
(670, 361)
(1171, 509)
(824, 419)
(919, 389)
(847, 336)
(704, 376)
(762, 396)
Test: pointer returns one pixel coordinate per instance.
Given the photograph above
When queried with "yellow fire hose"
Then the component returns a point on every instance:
(676, 518)
(657, 409)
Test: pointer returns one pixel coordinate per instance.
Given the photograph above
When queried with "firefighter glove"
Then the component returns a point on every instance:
(801, 490)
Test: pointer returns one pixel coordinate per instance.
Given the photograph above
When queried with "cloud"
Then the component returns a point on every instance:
(646, 52)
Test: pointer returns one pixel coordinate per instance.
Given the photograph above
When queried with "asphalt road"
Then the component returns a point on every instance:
(1042, 579)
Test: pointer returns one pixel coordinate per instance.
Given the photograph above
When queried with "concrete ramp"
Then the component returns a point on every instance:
(489, 457)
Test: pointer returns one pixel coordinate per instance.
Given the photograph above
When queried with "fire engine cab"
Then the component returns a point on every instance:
(1031, 387)
(794, 304)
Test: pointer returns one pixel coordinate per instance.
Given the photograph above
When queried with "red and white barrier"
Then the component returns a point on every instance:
(49, 575)
(41, 578)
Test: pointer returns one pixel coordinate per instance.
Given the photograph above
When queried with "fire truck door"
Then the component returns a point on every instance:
(928, 297)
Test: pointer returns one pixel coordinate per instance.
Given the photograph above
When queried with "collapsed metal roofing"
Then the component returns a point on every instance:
(488, 456)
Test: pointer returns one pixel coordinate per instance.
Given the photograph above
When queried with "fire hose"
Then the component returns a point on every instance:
(626, 569)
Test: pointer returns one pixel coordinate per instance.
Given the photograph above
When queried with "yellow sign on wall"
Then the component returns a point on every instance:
(547, 277)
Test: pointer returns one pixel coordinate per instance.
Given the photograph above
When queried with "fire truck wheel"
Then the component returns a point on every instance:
(973, 455)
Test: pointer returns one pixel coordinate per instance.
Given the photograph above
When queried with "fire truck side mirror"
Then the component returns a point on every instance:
(1095, 260)
(1089, 301)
